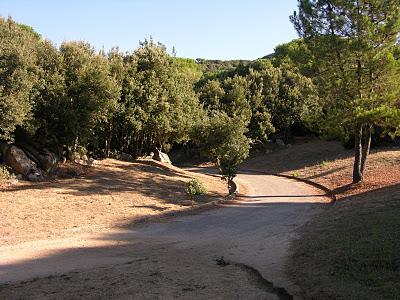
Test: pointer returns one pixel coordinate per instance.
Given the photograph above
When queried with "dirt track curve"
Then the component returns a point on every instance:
(238, 251)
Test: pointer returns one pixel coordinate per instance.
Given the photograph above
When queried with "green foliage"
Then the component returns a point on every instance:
(355, 58)
(268, 98)
(75, 97)
(188, 68)
(217, 66)
(195, 187)
(157, 105)
(354, 45)
(223, 139)
(18, 75)
(90, 95)
(295, 54)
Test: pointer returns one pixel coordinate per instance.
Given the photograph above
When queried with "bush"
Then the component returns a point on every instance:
(195, 187)
(5, 173)
(79, 153)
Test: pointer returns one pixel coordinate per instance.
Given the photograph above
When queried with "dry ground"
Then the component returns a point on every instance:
(329, 164)
(350, 251)
(109, 194)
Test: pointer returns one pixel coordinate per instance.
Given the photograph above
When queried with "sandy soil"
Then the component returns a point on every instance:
(114, 193)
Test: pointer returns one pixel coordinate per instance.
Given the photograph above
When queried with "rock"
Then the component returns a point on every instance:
(35, 176)
(187, 203)
(21, 164)
(91, 162)
(18, 161)
(48, 160)
(43, 158)
(280, 142)
(161, 156)
(126, 157)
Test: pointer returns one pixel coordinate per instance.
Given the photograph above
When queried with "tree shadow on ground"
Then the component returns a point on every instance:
(301, 155)
(146, 178)
(357, 238)
(128, 245)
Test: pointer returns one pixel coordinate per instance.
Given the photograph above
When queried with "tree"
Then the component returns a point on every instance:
(353, 44)
(223, 139)
(90, 93)
(295, 54)
(295, 102)
(188, 68)
(159, 105)
(50, 98)
(18, 74)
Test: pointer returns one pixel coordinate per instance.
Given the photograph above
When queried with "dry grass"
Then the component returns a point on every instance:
(351, 250)
(114, 193)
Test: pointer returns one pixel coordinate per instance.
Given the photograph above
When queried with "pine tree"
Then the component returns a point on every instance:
(353, 44)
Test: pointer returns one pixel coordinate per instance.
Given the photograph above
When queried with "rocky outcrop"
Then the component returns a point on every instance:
(161, 156)
(21, 163)
(45, 159)
(125, 157)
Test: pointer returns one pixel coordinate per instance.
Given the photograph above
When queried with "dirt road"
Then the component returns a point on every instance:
(235, 252)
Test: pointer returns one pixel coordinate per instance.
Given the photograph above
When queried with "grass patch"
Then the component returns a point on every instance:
(325, 164)
(351, 251)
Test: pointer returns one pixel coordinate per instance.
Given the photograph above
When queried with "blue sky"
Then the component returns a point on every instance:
(213, 29)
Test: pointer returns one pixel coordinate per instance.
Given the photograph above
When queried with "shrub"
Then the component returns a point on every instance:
(79, 153)
(5, 173)
(195, 187)
(295, 174)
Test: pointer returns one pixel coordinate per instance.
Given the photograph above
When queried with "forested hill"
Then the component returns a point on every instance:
(209, 65)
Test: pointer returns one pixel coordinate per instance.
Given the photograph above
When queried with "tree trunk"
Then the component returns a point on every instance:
(230, 185)
(361, 151)
(365, 149)
(108, 140)
(357, 177)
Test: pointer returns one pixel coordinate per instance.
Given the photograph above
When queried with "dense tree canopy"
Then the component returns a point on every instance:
(340, 79)
(18, 75)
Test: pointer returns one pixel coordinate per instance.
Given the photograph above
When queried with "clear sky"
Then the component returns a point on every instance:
(213, 29)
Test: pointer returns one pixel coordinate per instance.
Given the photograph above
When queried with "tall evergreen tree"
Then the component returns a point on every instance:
(353, 44)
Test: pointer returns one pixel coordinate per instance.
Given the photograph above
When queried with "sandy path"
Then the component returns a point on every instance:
(252, 235)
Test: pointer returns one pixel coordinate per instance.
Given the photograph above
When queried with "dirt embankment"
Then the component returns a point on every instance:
(328, 163)
(113, 193)
(350, 250)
